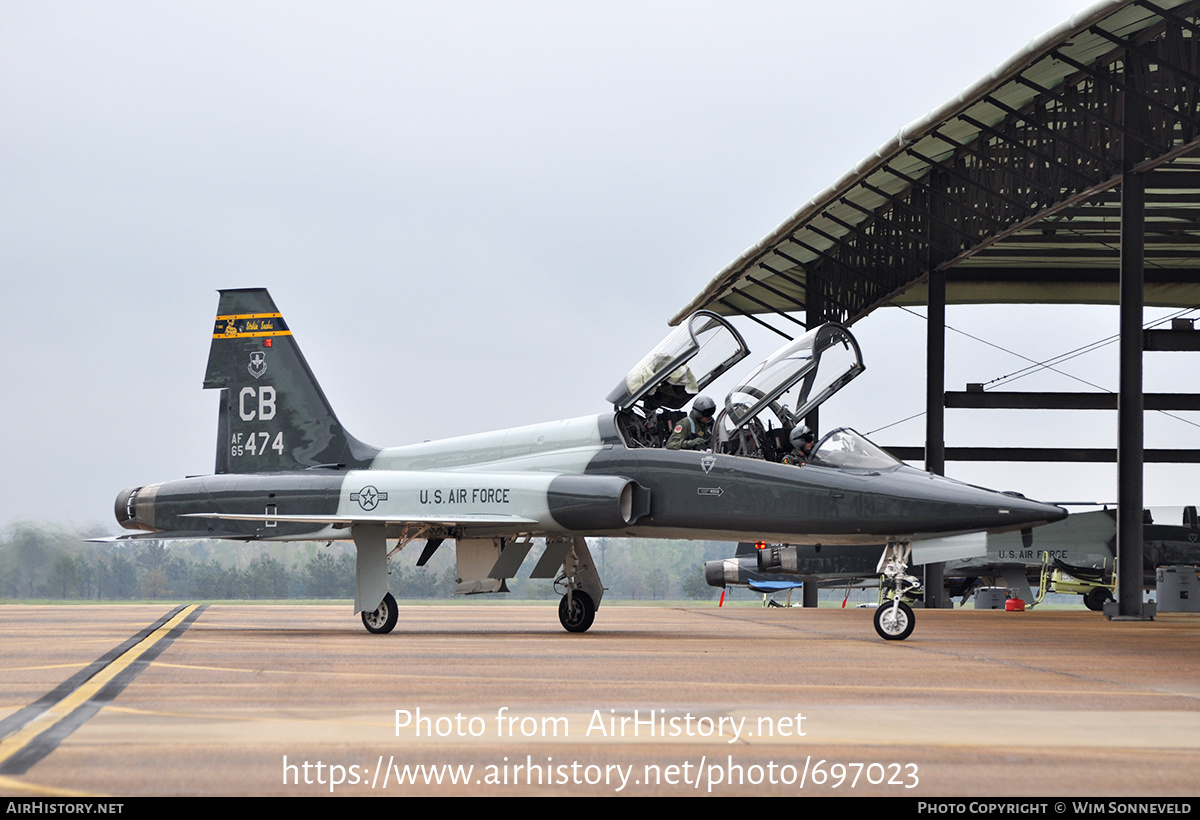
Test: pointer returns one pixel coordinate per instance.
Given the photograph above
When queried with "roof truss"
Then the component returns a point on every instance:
(1010, 188)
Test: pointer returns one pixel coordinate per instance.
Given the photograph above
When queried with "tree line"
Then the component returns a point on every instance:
(44, 561)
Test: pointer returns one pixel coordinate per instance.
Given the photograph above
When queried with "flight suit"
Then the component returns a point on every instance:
(691, 434)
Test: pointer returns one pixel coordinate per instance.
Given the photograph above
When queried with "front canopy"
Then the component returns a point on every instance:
(845, 448)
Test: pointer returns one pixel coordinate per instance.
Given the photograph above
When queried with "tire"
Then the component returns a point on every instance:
(576, 611)
(383, 619)
(894, 624)
(1096, 598)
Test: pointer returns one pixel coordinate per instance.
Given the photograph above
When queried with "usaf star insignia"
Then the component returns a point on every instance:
(368, 497)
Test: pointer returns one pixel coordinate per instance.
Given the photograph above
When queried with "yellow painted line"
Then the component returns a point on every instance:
(290, 719)
(17, 741)
(13, 787)
(236, 316)
(252, 335)
(783, 688)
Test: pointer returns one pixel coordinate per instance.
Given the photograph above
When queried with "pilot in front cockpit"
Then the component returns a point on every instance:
(694, 431)
(802, 440)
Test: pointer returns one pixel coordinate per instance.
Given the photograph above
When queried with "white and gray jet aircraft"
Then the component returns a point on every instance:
(286, 470)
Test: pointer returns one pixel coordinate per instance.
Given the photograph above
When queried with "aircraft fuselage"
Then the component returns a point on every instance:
(578, 477)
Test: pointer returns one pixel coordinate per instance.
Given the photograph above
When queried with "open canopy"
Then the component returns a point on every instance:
(682, 365)
(795, 379)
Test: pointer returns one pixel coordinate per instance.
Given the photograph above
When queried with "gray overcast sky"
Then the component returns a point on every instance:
(473, 215)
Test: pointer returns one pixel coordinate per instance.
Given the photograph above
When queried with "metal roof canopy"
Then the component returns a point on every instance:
(1011, 189)
(1071, 174)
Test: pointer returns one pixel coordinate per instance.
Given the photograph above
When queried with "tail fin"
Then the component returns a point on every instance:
(274, 415)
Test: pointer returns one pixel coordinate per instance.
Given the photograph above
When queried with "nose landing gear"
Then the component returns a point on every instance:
(894, 619)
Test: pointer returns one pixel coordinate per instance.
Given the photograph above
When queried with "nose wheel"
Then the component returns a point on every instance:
(894, 620)
(576, 611)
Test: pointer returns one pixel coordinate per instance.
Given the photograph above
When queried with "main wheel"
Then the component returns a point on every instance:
(894, 622)
(383, 619)
(1096, 598)
(576, 611)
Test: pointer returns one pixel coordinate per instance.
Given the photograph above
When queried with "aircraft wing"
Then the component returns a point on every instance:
(463, 519)
(170, 536)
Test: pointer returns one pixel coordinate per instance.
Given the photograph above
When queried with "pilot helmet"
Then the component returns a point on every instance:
(801, 435)
(704, 407)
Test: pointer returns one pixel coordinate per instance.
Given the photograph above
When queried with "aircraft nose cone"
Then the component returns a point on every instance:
(969, 506)
(1031, 511)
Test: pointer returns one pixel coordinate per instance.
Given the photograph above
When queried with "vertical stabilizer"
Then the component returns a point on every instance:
(274, 415)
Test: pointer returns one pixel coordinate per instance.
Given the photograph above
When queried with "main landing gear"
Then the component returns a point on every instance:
(894, 619)
(577, 609)
(383, 619)
(569, 557)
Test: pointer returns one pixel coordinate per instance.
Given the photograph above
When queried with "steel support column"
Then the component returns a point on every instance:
(808, 592)
(1131, 288)
(1130, 421)
(813, 315)
(935, 412)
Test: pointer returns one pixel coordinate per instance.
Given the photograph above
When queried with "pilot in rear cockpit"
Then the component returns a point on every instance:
(694, 431)
(802, 444)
